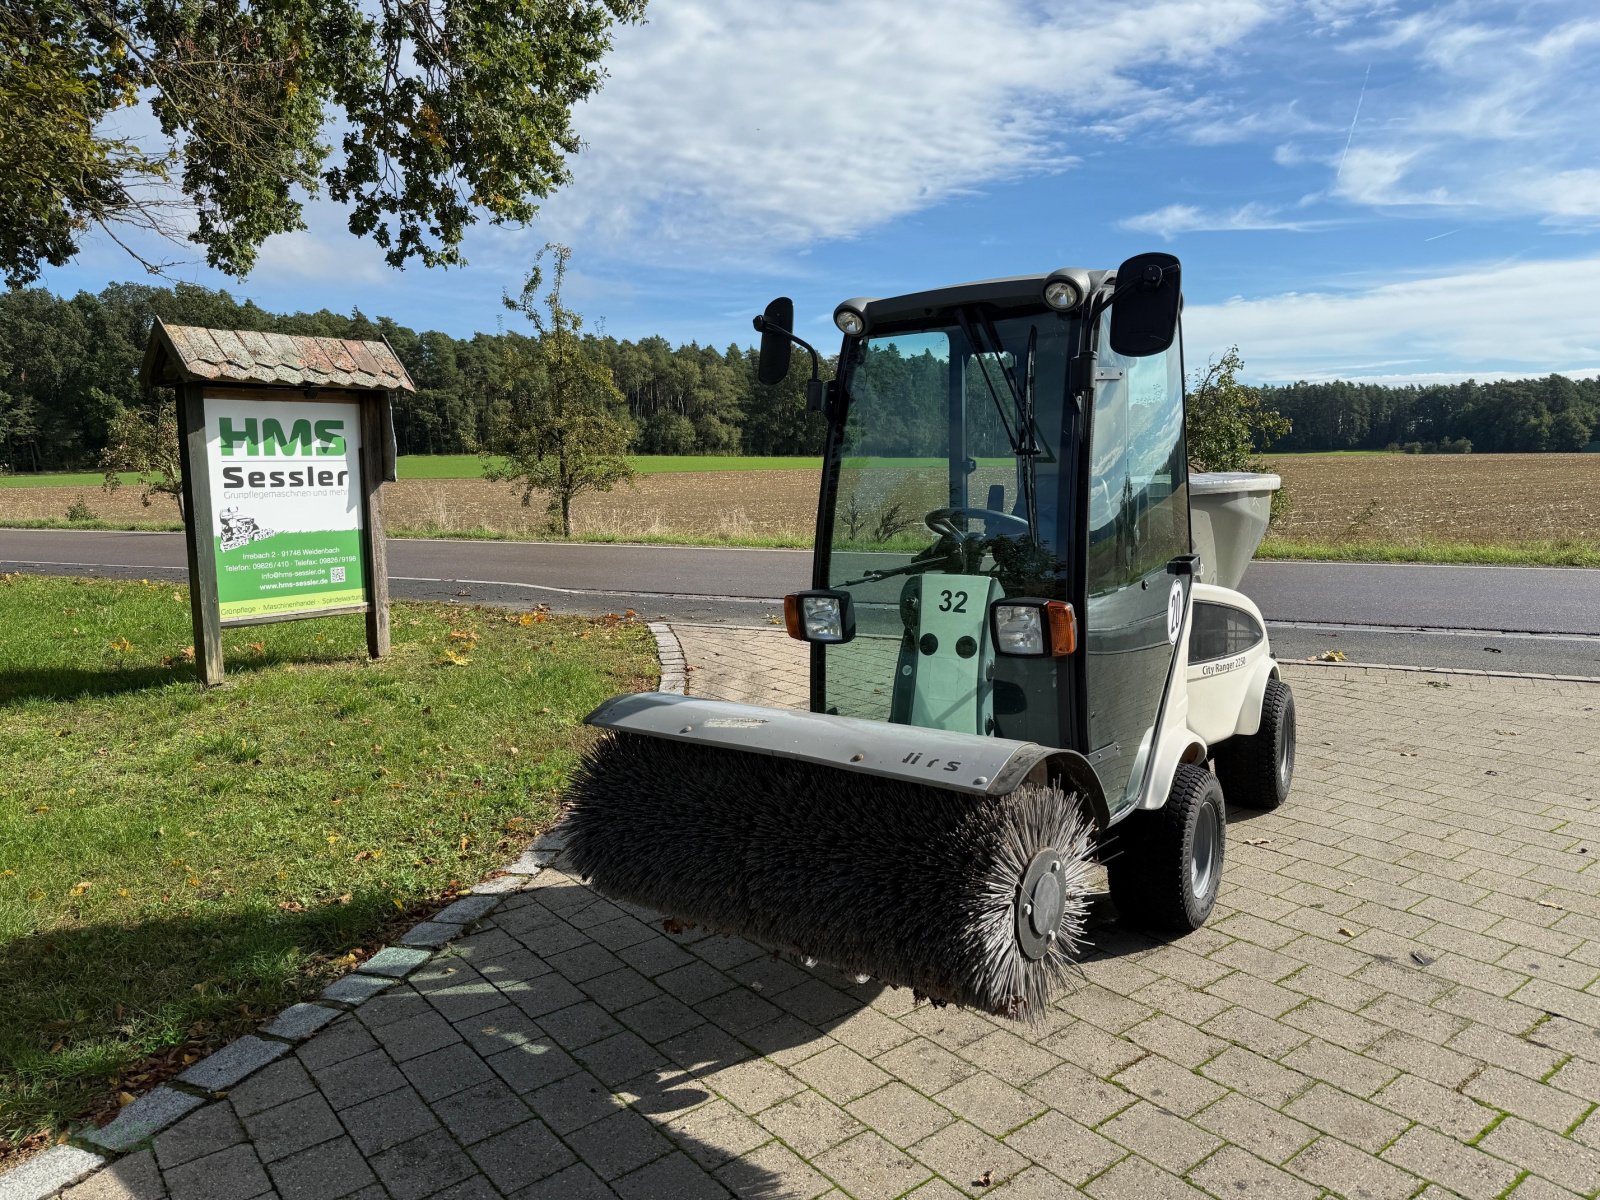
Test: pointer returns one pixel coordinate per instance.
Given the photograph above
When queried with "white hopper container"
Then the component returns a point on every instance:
(1228, 513)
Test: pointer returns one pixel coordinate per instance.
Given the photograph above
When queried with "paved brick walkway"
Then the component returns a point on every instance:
(1397, 997)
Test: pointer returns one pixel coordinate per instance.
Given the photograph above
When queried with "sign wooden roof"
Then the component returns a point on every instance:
(192, 354)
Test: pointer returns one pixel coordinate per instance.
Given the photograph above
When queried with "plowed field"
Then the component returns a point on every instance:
(1504, 499)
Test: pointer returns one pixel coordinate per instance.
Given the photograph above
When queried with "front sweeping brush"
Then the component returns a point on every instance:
(970, 900)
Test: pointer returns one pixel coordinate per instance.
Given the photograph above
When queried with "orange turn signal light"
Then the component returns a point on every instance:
(1061, 627)
(791, 617)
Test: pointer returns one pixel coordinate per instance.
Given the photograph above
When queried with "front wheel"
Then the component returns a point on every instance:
(1256, 771)
(1165, 867)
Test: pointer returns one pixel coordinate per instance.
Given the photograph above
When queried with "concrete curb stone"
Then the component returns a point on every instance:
(145, 1117)
(466, 910)
(674, 667)
(300, 1021)
(356, 988)
(394, 962)
(48, 1173)
(233, 1062)
(430, 934)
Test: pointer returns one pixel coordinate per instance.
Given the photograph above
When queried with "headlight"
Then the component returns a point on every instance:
(821, 616)
(1030, 628)
(1062, 296)
(1018, 629)
(850, 322)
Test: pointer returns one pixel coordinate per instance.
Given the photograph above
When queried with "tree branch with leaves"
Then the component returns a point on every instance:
(450, 109)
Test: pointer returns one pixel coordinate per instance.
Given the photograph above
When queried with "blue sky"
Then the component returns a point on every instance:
(1363, 190)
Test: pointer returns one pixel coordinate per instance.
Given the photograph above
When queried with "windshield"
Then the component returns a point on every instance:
(931, 485)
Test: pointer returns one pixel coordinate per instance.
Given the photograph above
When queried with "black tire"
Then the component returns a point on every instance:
(1257, 771)
(1152, 866)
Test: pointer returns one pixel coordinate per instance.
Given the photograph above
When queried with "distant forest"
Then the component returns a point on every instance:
(69, 366)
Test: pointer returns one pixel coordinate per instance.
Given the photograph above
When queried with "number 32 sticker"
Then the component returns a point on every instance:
(1175, 611)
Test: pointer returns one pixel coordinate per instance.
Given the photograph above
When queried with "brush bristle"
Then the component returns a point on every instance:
(915, 886)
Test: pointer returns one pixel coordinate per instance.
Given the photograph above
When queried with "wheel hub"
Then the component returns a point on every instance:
(1040, 905)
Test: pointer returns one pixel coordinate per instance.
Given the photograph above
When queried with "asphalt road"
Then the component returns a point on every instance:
(1497, 618)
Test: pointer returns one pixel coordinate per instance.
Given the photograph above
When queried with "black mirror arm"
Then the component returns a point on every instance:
(762, 325)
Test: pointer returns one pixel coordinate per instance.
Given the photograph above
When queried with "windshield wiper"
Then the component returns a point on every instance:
(983, 368)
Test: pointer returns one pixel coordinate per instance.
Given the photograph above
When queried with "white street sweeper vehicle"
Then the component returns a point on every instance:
(1026, 654)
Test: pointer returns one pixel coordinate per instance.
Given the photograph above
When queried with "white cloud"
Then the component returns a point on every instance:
(1167, 223)
(726, 128)
(1523, 318)
(1480, 110)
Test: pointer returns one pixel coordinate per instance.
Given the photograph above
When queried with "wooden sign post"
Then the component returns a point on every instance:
(281, 480)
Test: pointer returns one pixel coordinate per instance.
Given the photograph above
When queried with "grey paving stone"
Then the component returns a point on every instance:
(867, 1166)
(467, 910)
(430, 934)
(387, 1120)
(231, 1174)
(579, 1024)
(481, 1111)
(694, 982)
(659, 1018)
(147, 1115)
(233, 1062)
(620, 1143)
(532, 1065)
(811, 1123)
(445, 1071)
(577, 1182)
(356, 1079)
(423, 1166)
(397, 1004)
(396, 962)
(133, 1177)
(476, 1187)
(282, 1081)
(326, 1171)
(771, 1170)
(573, 1102)
(300, 1021)
(536, 997)
(521, 1155)
(345, 1038)
(211, 1128)
(676, 1175)
(416, 1036)
(45, 1174)
(499, 1029)
(291, 1127)
(619, 1058)
(356, 988)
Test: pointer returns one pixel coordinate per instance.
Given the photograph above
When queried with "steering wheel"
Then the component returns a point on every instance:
(943, 521)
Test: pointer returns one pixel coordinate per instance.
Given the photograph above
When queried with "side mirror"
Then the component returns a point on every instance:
(1144, 307)
(775, 326)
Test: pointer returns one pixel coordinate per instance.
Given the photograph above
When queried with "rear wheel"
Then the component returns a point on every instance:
(1166, 865)
(1256, 771)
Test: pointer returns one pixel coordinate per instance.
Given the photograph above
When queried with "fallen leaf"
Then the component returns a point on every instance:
(1329, 656)
(1551, 904)
(984, 1180)
(1421, 959)
(1258, 841)
(124, 1099)
(1343, 932)
(79, 888)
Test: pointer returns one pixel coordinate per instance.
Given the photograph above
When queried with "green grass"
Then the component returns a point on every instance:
(1571, 552)
(176, 864)
(85, 479)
